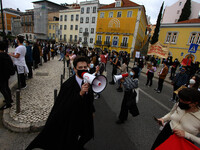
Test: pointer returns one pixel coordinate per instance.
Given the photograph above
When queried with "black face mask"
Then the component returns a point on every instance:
(183, 106)
(79, 72)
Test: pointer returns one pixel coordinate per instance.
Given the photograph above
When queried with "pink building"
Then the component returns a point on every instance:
(173, 12)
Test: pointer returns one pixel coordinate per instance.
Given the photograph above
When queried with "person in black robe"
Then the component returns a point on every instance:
(70, 123)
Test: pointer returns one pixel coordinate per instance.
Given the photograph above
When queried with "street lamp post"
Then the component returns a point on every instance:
(2, 21)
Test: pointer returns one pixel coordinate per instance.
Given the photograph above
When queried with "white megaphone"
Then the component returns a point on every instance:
(98, 82)
(118, 77)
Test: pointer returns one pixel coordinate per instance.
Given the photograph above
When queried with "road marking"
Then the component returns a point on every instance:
(155, 100)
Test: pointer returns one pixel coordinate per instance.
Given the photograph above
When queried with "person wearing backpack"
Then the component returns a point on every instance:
(7, 69)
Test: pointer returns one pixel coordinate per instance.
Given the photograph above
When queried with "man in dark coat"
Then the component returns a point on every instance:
(70, 123)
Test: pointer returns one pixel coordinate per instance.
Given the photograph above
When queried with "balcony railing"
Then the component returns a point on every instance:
(124, 44)
(107, 43)
(85, 33)
(98, 42)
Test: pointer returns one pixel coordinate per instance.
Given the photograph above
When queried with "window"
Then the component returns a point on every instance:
(80, 39)
(77, 17)
(30, 18)
(107, 38)
(99, 38)
(65, 17)
(180, 3)
(192, 38)
(64, 37)
(75, 38)
(30, 29)
(71, 27)
(124, 41)
(72, 17)
(61, 18)
(176, 20)
(198, 39)
(102, 15)
(110, 14)
(93, 19)
(85, 39)
(86, 29)
(168, 38)
(30, 36)
(82, 10)
(76, 27)
(119, 14)
(60, 27)
(25, 18)
(49, 35)
(92, 30)
(118, 4)
(178, 11)
(88, 10)
(49, 26)
(81, 20)
(70, 38)
(94, 9)
(129, 14)
(53, 35)
(91, 40)
(53, 27)
(65, 27)
(81, 30)
(87, 20)
(60, 37)
(174, 37)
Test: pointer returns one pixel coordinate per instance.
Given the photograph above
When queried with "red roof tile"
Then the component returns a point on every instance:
(126, 3)
(196, 20)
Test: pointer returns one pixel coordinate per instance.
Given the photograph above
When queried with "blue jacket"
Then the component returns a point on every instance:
(29, 54)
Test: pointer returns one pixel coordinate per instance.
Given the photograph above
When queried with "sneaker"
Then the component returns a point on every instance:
(5, 106)
(158, 91)
(119, 122)
(174, 101)
(24, 87)
(155, 89)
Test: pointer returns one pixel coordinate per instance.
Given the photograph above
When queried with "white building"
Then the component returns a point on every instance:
(88, 21)
(173, 12)
(69, 25)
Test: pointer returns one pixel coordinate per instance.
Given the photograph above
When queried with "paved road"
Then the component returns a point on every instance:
(136, 134)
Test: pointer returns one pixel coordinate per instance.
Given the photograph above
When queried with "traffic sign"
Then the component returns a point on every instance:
(193, 48)
(115, 43)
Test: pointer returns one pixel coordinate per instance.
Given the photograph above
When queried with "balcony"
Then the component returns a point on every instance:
(107, 43)
(85, 43)
(124, 45)
(85, 33)
(98, 42)
(27, 23)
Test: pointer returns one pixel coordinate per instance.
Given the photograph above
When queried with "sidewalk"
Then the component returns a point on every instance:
(36, 100)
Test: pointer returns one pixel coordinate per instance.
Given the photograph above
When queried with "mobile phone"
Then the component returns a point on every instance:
(158, 121)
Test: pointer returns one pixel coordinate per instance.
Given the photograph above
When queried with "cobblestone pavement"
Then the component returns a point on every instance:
(37, 99)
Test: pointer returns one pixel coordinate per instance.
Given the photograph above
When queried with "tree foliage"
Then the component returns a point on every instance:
(186, 11)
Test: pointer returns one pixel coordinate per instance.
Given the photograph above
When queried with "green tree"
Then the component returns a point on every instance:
(157, 29)
(186, 11)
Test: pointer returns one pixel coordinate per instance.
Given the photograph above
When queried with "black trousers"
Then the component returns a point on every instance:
(22, 79)
(123, 115)
(6, 92)
(114, 72)
(160, 84)
(150, 78)
(29, 65)
(164, 135)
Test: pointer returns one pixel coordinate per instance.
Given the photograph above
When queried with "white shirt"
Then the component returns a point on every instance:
(21, 49)
(189, 122)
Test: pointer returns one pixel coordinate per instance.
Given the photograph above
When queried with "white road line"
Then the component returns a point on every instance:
(155, 100)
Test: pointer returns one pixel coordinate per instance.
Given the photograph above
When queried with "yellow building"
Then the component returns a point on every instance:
(121, 26)
(53, 26)
(179, 36)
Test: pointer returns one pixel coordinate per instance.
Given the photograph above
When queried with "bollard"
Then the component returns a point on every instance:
(18, 101)
(18, 81)
(64, 73)
(61, 80)
(55, 94)
(40, 61)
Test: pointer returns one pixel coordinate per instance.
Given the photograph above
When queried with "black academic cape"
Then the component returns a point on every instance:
(71, 116)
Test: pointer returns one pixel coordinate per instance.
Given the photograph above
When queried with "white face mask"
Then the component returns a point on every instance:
(192, 81)
(99, 59)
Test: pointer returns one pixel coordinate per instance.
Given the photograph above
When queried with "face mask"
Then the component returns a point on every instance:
(24, 44)
(79, 72)
(183, 106)
(131, 73)
(192, 81)
(115, 56)
(91, 65)
(15, 41)
(99, 59)
(182, 70)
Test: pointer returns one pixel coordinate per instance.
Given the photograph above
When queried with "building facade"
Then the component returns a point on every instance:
(173, 12)
(41, 10)
(88, 22)
(8, 15)
(27, 23)
(179, 36)
(121, 26)
(16, 27)
(53, 26)
(69, 25)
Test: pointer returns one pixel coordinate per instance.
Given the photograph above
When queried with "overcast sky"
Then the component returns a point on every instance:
(152, 6)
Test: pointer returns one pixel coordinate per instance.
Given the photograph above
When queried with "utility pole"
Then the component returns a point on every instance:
(2, 21)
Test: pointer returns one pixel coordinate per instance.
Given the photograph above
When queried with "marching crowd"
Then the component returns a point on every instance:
(70, 123)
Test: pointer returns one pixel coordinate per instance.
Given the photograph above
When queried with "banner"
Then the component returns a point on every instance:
(177, 143)
(158, 50)
(186, 62)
